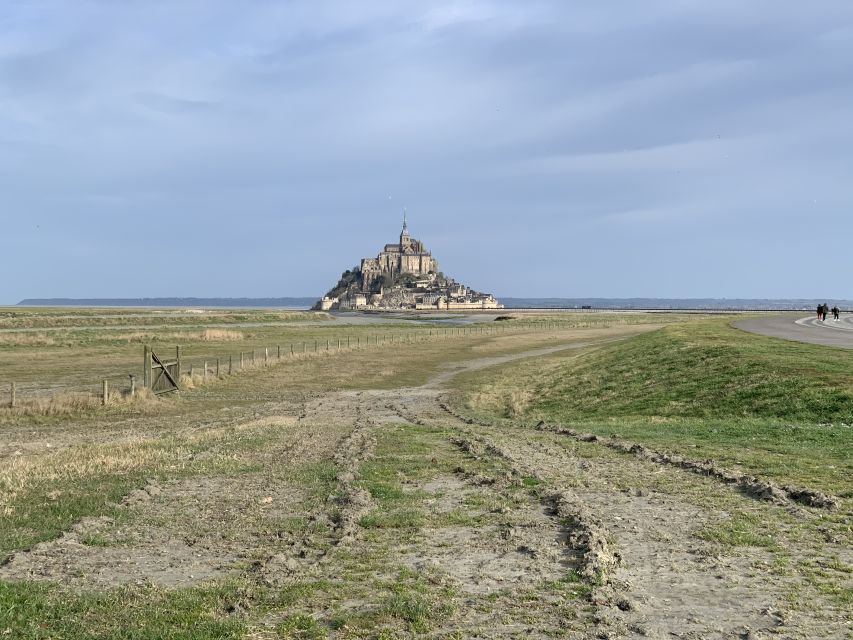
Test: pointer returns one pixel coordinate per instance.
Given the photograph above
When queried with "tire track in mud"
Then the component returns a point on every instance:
(586, 536)
(751, 486)
(342, 508)
(658, 581)
(541, 540)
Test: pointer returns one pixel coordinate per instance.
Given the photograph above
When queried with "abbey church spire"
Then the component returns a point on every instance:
(405, 240)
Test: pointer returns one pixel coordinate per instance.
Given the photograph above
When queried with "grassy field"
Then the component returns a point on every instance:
(298, 500)
(84, 347)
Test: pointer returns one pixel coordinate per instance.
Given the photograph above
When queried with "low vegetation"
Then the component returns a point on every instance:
(703, 389)
(329, 495)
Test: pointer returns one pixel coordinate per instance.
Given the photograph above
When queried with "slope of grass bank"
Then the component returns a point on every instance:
(704, 389)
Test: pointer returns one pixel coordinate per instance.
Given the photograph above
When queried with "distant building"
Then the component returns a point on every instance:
(403, 276)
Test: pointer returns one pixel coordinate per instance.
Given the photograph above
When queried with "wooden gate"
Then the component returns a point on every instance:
(161, 376)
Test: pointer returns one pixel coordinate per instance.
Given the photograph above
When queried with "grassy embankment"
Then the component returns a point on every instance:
(705, 389)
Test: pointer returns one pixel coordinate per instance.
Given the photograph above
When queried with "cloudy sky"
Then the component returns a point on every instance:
(670, 148)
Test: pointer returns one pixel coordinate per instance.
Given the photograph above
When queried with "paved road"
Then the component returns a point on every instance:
(804, 329)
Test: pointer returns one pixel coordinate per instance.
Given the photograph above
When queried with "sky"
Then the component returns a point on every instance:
(664, 148)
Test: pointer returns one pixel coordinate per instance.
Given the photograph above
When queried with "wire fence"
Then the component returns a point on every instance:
(199, 367)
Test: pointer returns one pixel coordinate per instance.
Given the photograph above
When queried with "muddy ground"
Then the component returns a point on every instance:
(397, 517)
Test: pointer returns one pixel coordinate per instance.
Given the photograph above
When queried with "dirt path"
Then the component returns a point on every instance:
(413, 520)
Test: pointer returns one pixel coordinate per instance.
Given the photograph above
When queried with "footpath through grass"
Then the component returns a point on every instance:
(704, 389)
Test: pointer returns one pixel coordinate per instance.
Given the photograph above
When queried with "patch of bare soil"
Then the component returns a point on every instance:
(85, 557)
(527, 547)
(183, 532)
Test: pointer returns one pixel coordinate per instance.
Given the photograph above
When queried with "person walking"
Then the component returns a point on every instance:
(835, 312)
(819, 311)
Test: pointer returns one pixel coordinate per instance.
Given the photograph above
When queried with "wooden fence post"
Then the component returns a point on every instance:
(266, 356)
(217, 367)
(146, 367)
(279, 352)
(205, 370)
(132, 385)
(230, 364)
(291, 349)
(12, 395)
(315, 346)
(241, 361)
(106, 389)
(192, 371)
(178, 365)
(327, 344)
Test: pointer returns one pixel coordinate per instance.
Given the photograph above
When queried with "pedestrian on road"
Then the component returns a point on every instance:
(819, 311)
(835, 312)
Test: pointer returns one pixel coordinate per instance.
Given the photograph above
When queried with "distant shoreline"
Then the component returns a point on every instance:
(305, 303)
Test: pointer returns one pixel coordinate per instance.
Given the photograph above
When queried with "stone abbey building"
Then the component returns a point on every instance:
(403, 276)
(410, 256)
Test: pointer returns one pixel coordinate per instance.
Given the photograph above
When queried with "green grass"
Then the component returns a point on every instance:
(741, 530)
(704, 389)
(33, 611)
(705, 370)
(300, 625)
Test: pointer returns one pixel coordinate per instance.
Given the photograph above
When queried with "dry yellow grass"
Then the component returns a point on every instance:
(26, 339)
(62, 404)
(206, 335)
(220, 335)
(20, 473)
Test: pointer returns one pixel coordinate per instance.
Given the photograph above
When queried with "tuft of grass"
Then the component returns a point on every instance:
(741, 530)
(300, 625)
(415, 603)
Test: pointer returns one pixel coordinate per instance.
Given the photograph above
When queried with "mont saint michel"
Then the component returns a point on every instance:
(403, 276)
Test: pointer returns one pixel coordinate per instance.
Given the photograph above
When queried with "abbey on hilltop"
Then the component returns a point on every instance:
(403, 276)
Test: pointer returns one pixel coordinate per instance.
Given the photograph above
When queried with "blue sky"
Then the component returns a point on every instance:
(672, 148)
